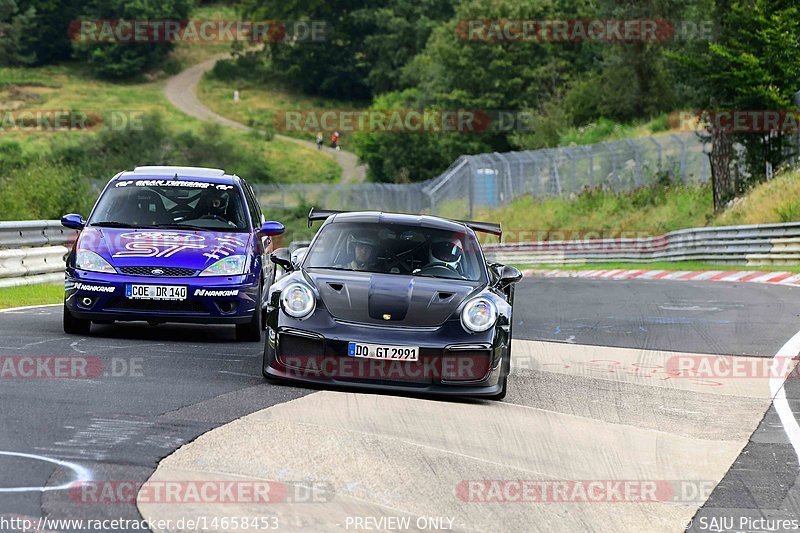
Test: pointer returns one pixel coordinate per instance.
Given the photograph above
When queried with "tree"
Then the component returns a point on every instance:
(125, 59)
(48, 37)
(363, 51)
(14, 24)
(752, 65)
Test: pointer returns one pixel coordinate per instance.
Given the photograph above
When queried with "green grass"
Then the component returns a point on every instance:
(648, 211)
(663, 265)
(72, 87)
(259, 103)
(777, 200)
(31, 295)
(604, 130)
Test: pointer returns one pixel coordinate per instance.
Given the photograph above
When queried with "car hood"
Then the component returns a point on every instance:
(152, 247)
(383, 299)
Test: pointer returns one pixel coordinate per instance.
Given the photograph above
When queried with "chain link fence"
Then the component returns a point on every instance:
(492, 180)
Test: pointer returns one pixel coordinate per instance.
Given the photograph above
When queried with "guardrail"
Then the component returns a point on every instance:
(33, 251)
(763, 244)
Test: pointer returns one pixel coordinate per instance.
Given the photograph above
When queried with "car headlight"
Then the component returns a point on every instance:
(298, 300)
(479, 314)
(88, 260)
(230, 266)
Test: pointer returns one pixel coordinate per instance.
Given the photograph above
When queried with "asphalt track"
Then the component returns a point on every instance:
(566, 414)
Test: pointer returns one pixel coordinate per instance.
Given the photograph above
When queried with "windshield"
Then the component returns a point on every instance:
(171, 203)
(396, 249)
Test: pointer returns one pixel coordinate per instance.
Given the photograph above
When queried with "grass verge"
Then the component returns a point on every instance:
(31, 295)
(259, 103)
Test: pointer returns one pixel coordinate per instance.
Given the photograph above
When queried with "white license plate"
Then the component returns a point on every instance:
(156, 292)
(381, 351)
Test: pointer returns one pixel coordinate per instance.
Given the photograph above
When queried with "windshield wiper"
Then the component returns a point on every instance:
(112, 224)
(184, 226)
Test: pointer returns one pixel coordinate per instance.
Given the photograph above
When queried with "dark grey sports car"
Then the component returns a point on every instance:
(392, 302)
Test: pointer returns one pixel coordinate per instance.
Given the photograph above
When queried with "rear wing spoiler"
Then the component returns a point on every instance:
(481, 227)
(321, 214)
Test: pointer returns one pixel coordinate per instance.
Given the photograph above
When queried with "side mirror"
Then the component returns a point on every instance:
(298, 255)
(73, 221)
(508, 276)
(283, 259)
(271, 229)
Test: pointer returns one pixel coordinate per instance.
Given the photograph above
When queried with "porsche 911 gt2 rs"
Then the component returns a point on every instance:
(393, 302)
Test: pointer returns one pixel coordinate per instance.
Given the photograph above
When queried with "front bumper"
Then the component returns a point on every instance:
(210, 300)
(451, 361)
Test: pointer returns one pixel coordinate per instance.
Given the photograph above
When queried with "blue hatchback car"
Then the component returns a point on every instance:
(171, 244)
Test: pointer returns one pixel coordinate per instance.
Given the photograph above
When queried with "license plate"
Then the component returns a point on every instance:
(155, 292)
(380, 351)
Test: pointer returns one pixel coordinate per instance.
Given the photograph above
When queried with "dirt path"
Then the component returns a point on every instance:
(181, 91)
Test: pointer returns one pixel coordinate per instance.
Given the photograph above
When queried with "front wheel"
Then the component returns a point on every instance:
(504, 371)
(75, 326)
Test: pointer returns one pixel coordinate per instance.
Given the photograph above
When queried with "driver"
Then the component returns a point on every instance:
(365, 249)
(446, 252)
(213, 203)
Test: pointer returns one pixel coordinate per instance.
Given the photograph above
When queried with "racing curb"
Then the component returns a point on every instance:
(750, 276)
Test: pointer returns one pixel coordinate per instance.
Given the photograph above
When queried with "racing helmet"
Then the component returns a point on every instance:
(365, 239)
(446, 251)
(215, 202)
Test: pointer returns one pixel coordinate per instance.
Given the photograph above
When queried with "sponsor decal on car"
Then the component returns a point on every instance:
(174, 183)
(225, 246)
(216, 293)
(93, 288)
(159, 244)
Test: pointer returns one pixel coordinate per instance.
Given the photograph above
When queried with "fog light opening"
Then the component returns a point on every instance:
(227, 307)
(87, 301)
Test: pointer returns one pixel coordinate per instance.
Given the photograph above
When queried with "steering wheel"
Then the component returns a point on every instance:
(440, 267)
(215, 217)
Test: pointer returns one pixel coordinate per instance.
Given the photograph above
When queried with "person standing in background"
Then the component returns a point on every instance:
(335, 140)
(319, 140)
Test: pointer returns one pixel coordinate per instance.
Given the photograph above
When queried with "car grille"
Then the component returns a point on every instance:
(159, 306)
(165, 272)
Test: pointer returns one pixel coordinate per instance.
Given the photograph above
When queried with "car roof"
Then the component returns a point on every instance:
(202, 174)
(377, 217)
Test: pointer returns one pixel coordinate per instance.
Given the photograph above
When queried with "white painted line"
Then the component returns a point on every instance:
(13, 309)
(778, 392)
(81, 473)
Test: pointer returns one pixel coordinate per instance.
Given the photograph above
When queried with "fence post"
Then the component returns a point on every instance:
(683, 155)
(613, 154)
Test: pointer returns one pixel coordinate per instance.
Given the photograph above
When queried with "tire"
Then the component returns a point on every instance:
(504, 380)
(251, 331)
(75, 326)
(264, 363)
